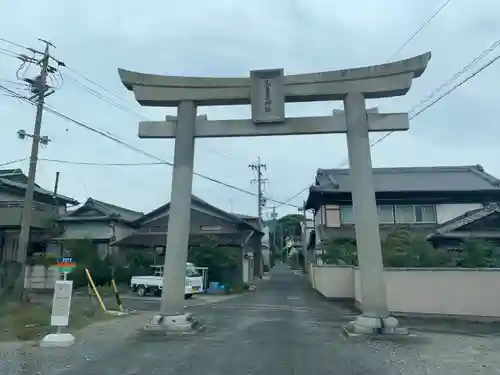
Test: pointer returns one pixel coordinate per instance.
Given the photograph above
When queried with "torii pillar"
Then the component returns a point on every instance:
(267, 91)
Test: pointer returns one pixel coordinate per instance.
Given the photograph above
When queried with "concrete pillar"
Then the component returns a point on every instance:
(179, 218)
(366, 219)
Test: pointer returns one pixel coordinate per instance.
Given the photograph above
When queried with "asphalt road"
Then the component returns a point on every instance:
(282, 328)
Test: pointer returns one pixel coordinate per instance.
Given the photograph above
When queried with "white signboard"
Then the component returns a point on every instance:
(61, 304)
(268, 96)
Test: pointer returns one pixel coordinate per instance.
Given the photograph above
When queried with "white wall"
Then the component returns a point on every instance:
(450, 211)
(333, 281)
(421, 291)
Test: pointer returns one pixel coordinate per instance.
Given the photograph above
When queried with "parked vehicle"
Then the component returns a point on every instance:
(153, 284)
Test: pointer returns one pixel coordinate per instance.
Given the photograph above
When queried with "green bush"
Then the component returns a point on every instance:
(78, 277)
(237, 287)
(223, 262)
(85, 254)
(43, 259)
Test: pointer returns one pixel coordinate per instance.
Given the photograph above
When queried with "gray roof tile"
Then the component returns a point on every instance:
(455, 178)
(108, 210)
(15, 178)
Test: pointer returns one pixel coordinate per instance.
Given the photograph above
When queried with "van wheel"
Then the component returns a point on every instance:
(141, 291)
(187, 296)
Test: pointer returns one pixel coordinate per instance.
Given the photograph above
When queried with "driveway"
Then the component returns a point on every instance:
(282, 328)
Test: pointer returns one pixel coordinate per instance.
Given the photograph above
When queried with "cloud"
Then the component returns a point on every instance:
(229, 38)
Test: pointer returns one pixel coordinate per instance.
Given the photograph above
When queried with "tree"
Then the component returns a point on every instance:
(223, 262)
(85, 254)
(402, 248)
(478, 253)
(291, 225)
(341, 251)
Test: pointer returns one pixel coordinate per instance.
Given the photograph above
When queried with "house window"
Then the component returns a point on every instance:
(210, 228)
(405, 214)
(416, 214)
(386, 214)
(346, 215)
(332, 216)
(425, 214)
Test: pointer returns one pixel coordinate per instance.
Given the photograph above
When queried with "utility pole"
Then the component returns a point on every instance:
(272, 229)
(304, 236)
(39, 89)
(261, 202)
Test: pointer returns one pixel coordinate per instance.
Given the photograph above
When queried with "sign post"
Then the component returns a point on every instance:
(61, 307)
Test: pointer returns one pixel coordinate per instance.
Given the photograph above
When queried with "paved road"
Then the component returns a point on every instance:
(282, 328)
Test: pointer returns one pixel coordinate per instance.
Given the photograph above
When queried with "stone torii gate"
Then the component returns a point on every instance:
(267, 91)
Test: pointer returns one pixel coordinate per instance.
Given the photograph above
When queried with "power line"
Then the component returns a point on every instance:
(420, 28)
(123, 107)
(98, 85)
(407, 41)
(13, 162)
(296, 195)
(8, 53)
(444, 85)
(464, 69)
(98, 164)
(15, 44)
(114, 138)
(107, 100)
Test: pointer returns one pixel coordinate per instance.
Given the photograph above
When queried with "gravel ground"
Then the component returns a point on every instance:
(282, 328)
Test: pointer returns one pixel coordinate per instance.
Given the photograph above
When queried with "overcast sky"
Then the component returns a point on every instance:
(230, 38)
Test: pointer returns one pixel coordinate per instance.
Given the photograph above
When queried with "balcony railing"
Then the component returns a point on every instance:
(11, 213)
(37, 206)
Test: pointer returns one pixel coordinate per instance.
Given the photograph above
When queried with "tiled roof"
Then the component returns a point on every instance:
(106, 210)
(15, 178)
(194, 199)
(411, 179)
(160, 238)
(465, 219)
(111, 209)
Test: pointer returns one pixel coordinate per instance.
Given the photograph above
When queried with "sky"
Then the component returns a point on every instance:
(227, 38)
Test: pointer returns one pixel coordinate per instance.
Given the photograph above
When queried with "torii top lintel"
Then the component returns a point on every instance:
(376, 81)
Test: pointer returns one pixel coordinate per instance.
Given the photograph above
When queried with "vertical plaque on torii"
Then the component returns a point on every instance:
(267, 96)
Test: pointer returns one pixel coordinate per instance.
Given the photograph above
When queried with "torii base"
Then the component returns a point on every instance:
(372, 326)
(171, 325)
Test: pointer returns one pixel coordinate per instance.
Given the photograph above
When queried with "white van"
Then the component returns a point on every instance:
(143, 285)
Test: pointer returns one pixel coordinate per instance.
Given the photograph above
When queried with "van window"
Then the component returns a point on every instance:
(191, 271)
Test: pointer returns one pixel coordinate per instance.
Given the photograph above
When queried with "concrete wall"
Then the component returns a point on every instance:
(333, 281)
(38, 277)
(421, 291)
